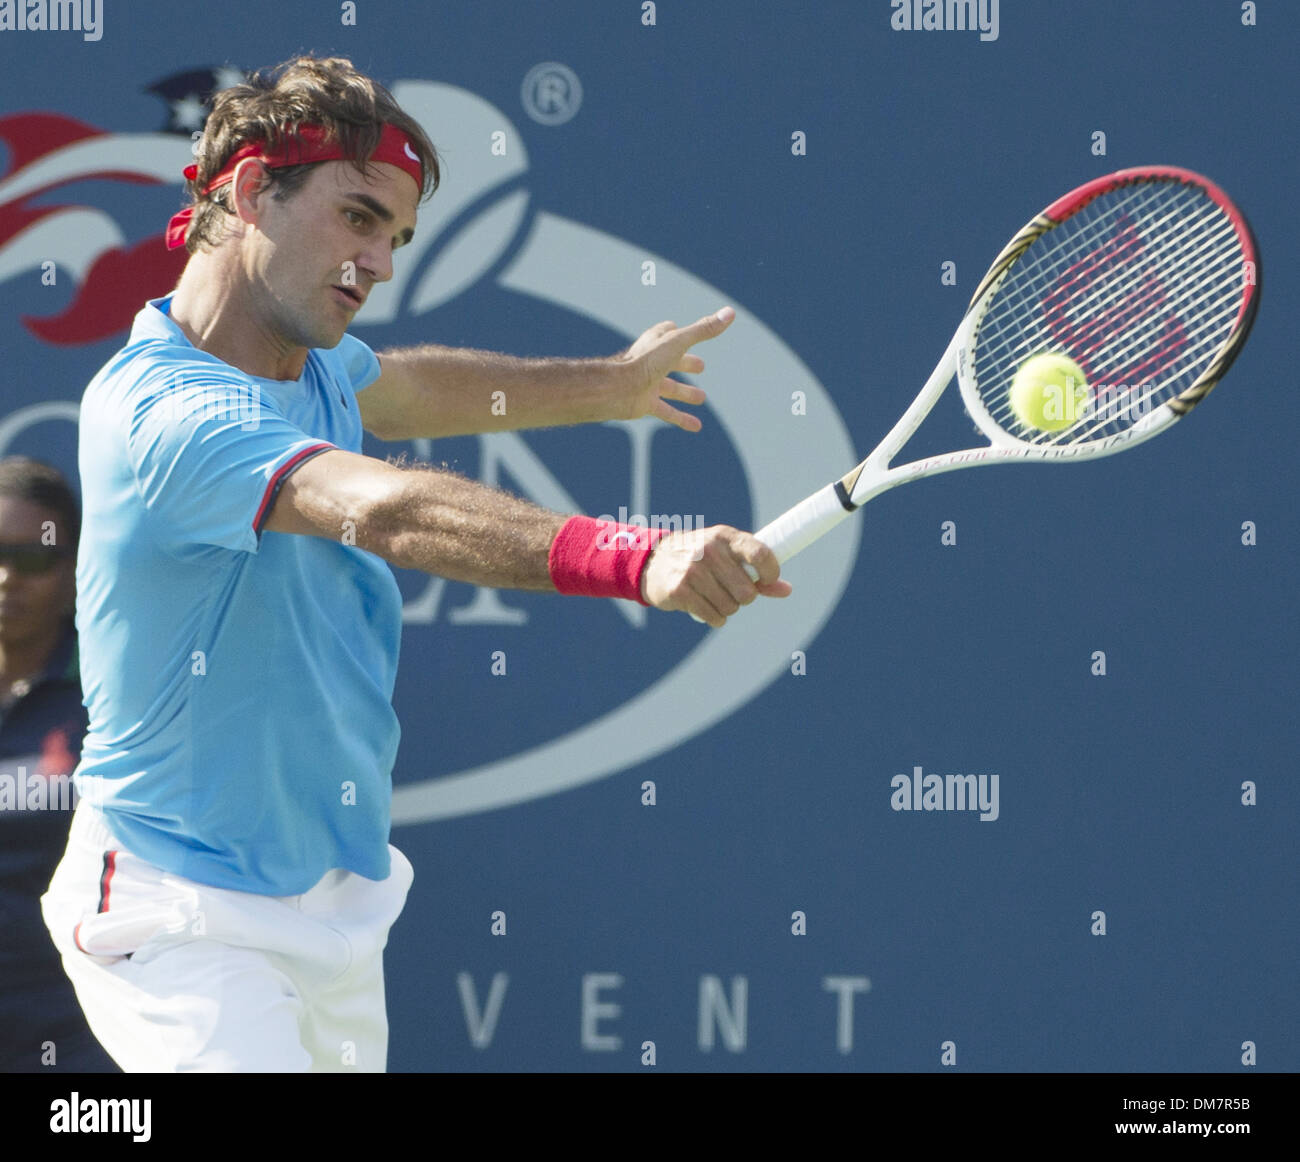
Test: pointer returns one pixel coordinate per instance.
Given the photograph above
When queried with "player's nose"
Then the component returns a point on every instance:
(377, 263)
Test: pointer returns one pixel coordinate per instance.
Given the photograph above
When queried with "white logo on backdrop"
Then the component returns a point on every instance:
(751, 374)
(551, 93)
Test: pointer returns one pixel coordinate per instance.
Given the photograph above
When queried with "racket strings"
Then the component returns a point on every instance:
(1082, 236)
(1140, 398)
(1207, 337)
(1141, 288)
(1111, 306)
(1116, 305)
(1187, 271)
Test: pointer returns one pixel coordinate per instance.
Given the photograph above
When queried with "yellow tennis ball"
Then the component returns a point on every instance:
(1049, 392)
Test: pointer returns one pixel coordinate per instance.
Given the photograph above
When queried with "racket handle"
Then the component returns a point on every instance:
(797, 528)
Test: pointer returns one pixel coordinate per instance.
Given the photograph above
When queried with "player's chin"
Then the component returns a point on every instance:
(328, 333)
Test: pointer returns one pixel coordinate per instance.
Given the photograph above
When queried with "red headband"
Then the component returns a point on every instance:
(310, 146)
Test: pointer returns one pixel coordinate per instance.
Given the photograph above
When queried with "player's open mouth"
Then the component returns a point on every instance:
(349, 295)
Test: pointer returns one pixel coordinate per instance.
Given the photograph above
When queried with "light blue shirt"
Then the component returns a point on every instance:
(239, 682)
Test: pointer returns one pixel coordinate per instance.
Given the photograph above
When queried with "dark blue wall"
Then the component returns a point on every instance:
(1119, 793)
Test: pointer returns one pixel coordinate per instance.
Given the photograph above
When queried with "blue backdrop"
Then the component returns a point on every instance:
(628, 829)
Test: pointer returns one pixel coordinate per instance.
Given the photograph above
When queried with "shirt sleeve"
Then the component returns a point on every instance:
(208, 453)
(358, 363)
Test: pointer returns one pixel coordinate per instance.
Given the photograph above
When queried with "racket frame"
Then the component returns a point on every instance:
(799, 526)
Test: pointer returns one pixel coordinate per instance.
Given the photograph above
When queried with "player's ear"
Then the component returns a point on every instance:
(249, 189)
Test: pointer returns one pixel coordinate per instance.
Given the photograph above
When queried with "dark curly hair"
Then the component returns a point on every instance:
(324, 91)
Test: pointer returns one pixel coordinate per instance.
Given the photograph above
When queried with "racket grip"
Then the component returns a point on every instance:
(796, 528)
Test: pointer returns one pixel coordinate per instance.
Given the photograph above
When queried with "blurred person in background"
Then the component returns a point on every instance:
(42, 722)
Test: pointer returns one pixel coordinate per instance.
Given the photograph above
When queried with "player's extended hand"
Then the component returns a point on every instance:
(702, 572)
(662, 349)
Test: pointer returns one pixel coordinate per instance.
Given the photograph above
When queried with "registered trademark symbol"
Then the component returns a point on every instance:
(551, 93)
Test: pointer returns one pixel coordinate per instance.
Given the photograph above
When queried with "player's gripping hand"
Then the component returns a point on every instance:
(702, 572)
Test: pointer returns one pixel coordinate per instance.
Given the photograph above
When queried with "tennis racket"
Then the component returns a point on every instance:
(1148, 279)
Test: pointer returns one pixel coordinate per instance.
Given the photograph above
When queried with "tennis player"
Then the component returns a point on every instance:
(228, 886)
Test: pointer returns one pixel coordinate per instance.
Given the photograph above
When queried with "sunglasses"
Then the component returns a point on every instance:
(31, 560)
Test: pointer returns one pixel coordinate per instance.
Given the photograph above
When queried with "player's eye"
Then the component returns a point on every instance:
(355, 217)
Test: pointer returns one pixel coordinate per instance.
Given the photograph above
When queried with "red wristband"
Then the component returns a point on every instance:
(600, 558)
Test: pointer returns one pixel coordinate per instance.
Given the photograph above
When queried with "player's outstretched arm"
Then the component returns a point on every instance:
(436, 391)
(445, 524)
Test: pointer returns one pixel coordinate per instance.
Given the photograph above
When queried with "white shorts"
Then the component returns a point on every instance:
(175, 975)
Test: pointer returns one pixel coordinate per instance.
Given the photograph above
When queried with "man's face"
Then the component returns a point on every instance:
(37, 583)
(315, 256)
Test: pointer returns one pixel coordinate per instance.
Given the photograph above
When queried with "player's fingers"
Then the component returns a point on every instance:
(774, 588)
(757, 555)
(690, 364)
(702, 609)
(671, 415)
(685, 392)
(719, 560)
(708, 327)
(713, 600)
